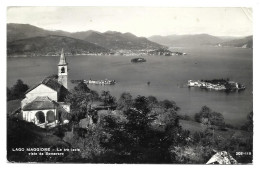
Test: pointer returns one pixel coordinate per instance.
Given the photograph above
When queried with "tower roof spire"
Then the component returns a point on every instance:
(62, 58)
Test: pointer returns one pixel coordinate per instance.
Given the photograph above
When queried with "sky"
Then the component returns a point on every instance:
(141, 21)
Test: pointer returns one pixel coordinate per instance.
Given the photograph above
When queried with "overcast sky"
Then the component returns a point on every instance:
(141, 21)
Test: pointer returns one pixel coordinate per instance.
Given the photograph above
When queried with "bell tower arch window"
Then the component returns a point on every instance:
(62, 70)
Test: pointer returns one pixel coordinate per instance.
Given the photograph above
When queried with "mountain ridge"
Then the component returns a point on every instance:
(19, 35)
(196, 40)
(110, 40)
(51, 45)
(246, 42)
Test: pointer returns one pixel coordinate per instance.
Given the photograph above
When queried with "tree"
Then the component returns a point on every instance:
(134, 140)
(153, 102)
(17, 91)
(166, 116)
(88, 143)
(248, 126)
(217, 119)
(125, 102)
(169, 104)
(204, 113)
(107, 98)
(9, 94)
(82, 87)
(79, 98)
(208, 117)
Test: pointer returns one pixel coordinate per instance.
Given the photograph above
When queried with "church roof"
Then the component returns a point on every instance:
(49, 82)
(41, 103)
(52, 83)
(62, 58)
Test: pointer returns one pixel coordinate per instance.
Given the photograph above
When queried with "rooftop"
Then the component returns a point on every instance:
(41, 103)
(52, 83)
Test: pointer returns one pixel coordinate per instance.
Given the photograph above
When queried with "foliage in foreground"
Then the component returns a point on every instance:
(17, 91)
(149, 133)
(208, 117)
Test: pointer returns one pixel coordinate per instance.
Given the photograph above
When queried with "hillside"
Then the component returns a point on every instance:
(12, 106)
(116, 40)
(51, 45)
(246, 42)
(21, 134)
(24, 31)
(190, 40)
(109, 40)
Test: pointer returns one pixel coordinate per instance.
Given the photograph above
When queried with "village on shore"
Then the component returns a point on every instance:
(122, 52)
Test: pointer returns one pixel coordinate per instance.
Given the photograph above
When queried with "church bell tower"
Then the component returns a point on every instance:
(63, 70)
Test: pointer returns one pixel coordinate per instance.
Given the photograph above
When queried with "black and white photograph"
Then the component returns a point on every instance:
(129, 85)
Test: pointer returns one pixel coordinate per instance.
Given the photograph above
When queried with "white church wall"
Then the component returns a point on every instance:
(41, 90)
(30, 116)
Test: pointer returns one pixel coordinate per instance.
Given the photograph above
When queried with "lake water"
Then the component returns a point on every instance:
(166, 74)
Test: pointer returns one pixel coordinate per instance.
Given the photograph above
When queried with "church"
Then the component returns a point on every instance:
(44, 103)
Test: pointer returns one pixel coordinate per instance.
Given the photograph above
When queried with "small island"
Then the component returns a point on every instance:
(138, 60)
(165, 52)
(95, 82)
(217, 84)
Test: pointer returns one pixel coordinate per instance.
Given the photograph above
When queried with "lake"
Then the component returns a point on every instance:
(166, 74)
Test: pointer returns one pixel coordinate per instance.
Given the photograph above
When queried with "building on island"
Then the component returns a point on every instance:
(44, 103)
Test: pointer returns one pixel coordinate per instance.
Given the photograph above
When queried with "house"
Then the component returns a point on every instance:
(44, 103)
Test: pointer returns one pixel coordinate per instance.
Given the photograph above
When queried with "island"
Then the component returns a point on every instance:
(217, 84)
(95, 82)
(165, 52)
(138, 60)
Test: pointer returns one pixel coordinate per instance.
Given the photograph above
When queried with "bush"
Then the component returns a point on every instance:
(185, 117)
(207, 116)
(125, 102)
(230, 126)
(248, 126)
(193, 154)
(169, 104)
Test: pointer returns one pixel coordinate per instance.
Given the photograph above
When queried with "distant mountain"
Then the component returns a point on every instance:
(186, 40)
(116, 40)
(109, 40)
(246, 42)
(51, 45)
(24, 31)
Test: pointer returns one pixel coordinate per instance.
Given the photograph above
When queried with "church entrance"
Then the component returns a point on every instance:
(40, 116)
(50, 116)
